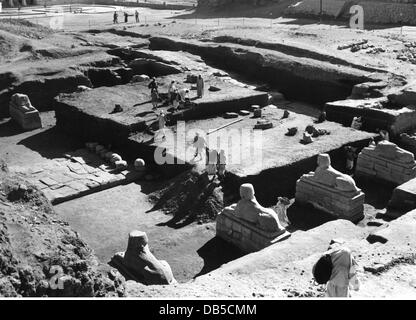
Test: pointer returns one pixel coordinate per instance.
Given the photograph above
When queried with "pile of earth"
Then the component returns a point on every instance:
(190, 196)
(41, 255)
(24, 28)
(17, 36)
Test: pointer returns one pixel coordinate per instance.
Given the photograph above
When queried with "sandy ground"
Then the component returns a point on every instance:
(105, 224)
(36, 147)
(396, 283)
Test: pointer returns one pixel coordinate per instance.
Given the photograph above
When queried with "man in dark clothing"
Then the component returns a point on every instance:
(153, 85)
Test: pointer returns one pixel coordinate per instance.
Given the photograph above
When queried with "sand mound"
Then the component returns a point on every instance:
(24, 28)
(36, 247)
(189, 197)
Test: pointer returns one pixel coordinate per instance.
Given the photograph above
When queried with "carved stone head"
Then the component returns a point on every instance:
(137, 241)
(247, 191)
(324, 161)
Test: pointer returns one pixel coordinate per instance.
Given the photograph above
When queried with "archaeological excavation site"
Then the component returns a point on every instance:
(207, 149)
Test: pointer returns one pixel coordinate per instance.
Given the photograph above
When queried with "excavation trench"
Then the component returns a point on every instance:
(105, 218)
(298, 78)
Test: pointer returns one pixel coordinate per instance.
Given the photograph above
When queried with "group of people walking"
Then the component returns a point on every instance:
(215, 161)
(126, 17)
(176, 96)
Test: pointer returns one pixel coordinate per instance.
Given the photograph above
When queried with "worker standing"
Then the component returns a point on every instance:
(200, 86)
(199, 144)
(153, 85)
(155, 98)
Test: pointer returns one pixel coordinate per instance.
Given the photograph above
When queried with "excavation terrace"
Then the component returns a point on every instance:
(95, 155)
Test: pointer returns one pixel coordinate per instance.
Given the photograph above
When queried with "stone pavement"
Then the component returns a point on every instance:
(74, 175)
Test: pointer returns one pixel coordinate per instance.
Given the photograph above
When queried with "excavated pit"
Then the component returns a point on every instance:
(88, 116)
(43, 82)
(298, 78)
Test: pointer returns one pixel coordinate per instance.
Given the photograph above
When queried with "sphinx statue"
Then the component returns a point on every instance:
(21, 102)
(22, 111)
(250, 210)
(138, 262)
(391, 151)
(327, 175)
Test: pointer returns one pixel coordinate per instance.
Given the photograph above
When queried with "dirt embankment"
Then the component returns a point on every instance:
(41, 255)
(41, 64)
(300, 78)
(16, 37)
(191, 196)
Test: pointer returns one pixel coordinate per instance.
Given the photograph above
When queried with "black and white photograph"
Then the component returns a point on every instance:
(207, 156)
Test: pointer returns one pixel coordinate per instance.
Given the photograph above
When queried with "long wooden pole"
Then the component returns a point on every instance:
(225, 125)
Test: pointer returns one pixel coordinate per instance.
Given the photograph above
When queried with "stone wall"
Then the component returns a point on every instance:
(377, 12)
(401, 13)
(344, 205)
(375, 114)
(245, 235)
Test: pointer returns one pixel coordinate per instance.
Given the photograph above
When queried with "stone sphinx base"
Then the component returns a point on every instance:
(373, 163)
(29, 120)
(344, 205)
(245, 235)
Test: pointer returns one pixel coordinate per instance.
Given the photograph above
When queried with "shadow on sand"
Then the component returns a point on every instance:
(9, 128)
(215, 253)
(51, 143)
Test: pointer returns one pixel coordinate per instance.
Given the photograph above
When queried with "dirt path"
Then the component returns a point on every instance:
(104, 220)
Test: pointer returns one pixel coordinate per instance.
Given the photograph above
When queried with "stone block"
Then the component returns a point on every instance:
(249, 238)
(390, 163)
(404, 196)
(343, 205)
(77, 186)
(228, 223)
(92, 184)
(382, 169)
(244, 112)
(48, 181)
(246, 233)
(230, 115)
(237, 235)
(237, 227)
(362, 170)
